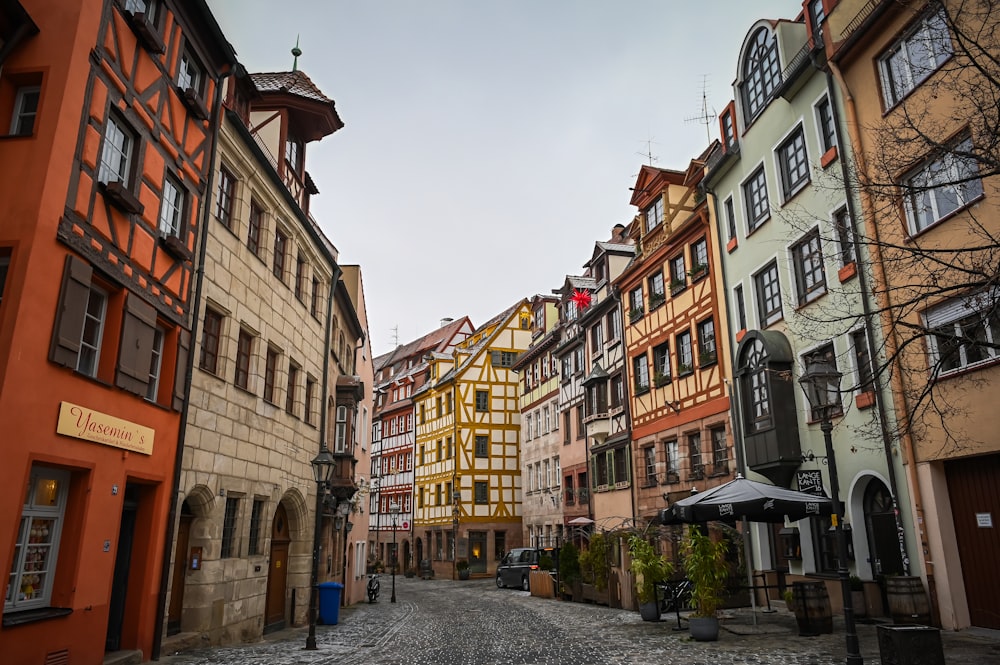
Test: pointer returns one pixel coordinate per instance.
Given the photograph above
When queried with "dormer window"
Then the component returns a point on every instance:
(761, 74)
(653, 214)
(293, 154)
(728, 131)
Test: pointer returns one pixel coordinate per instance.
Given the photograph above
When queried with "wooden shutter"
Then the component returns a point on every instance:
(74, 294)
(136, 349)
(181, 370)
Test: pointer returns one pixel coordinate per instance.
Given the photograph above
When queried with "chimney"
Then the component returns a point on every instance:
(618, 233)
(445, 321)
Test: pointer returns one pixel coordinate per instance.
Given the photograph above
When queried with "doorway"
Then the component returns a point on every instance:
(180, 569)
(477, 551)
(277, 572)
(883, 537)
(123, 565)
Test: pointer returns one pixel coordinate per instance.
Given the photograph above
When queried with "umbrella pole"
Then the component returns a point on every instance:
(748, 552)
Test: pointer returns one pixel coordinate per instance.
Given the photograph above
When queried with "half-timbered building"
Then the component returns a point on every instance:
(112, 108)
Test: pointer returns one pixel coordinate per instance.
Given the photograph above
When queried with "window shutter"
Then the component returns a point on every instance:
(181, 370)
(136, 350)
(74, 295)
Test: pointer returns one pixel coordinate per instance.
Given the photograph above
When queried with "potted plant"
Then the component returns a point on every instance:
(595, 565)
(677, 284)
(705, 565)
(462, 566)
(697, 270)
(649, 568)
(569, 571)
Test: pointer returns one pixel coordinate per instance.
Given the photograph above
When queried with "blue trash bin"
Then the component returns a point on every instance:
(329, 602)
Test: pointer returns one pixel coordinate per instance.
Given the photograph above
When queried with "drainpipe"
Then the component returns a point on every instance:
(891, 341)
(171, 534)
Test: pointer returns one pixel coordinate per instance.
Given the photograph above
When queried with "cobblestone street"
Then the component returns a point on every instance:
(444, 622)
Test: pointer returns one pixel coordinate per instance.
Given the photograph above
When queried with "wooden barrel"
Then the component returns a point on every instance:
(816, 607)
(908, 603)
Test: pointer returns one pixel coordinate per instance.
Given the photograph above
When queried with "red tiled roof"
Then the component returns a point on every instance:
(295, 83)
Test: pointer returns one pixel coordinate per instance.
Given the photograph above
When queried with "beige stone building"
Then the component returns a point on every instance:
(265, 393)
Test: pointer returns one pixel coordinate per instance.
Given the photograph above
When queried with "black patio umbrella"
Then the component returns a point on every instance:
(739, 498)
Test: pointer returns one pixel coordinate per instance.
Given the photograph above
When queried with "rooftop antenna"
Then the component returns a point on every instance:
(649, 150)
(296, 52)
(705, 118)
(395, 336)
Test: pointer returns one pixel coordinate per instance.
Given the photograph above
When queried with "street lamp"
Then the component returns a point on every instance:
(394, 510)
(322, 466)
(821, 384)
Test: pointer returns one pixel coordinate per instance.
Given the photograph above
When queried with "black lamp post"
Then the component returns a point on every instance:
(322, 466)
(394, 510)
(821, 384)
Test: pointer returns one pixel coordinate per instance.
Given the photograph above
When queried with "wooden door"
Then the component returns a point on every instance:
(179, 575)
(277, 573)
(123, 564)
(974, 488)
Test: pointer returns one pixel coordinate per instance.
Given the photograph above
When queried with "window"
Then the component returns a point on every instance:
(699, 258)
(728, 132)
(740, 305)
(824, 120)
(673, 461)
(807, 261)
(93, 332)
(843, 226)
(270, 369)
(768, 294)
(36, 550)
(481, 489)
(171, 208)
(653, 214)
(914, 57)
(340, 432)
(617, 391)
(707, 353)
(685, 356)
(761, 74)
(224, 197)
(941, 186)
(25, 110)
(227, 550)
(649, 464)
(793, 163)
(116, 154)
(547, 419)
(280, 248)
(314, 300)
(635, 304)
(290, 388)
(155, 364)
(310, 395)
(661, 364)
(147, 7)
(256, 515)
(300, 277)
(964, 332)
(482, 400)
(720, 463)
(597, 338)
(622, 467)
(756, 389)
(640, 372)
(730, 219)
(293, 154)
(862, 360)
(244, 347)
(825, 353)
(755, 195)
(678, 276)
(254, 223)
(694, 455)
(580, 431)
(657, 295)
(502, 358)
(211, 335)
(614, 326)
(597, 399)
(189, 74)
(482, 445)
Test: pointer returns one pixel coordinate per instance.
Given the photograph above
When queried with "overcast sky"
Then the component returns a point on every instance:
(489, 143)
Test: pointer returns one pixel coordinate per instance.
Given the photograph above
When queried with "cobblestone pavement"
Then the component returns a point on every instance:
(450, 623)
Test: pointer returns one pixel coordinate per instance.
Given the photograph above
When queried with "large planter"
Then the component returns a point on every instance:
(704, 629)
(463, 573)
(649, 611)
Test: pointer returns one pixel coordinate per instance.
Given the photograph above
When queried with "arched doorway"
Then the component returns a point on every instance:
(420, 551)
(880, 523)
(277, 571)
(181, 566)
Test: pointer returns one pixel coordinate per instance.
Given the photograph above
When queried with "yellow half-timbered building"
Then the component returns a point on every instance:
(467, 477)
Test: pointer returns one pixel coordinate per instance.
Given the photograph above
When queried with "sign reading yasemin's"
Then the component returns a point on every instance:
(80, 422)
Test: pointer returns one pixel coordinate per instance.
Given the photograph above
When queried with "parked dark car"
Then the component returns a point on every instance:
(516, 566)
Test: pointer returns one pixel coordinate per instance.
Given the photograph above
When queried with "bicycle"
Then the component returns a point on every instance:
(676, 597)
(373, 588)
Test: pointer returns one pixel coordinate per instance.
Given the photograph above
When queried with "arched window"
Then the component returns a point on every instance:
(756, 391)
(761, 74)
